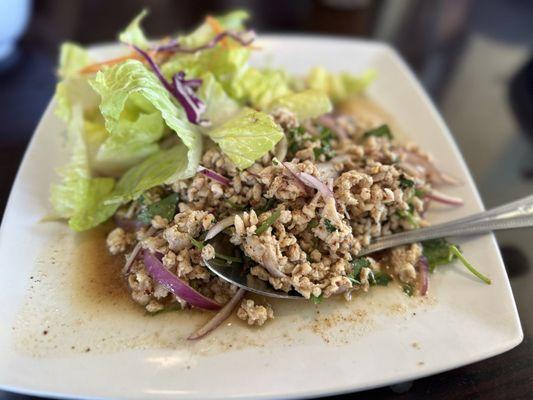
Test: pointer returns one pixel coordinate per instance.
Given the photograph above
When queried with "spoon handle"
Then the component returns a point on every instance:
(517, 214)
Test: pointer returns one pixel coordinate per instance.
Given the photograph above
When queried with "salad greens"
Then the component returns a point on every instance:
(128, 132)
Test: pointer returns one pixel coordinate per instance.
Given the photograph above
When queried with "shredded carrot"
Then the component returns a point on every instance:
(93, 68)
(217, 28)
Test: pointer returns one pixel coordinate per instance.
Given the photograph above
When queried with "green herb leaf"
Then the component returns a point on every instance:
(329, 226)
(380, 131)
(380, 278)
(269, 204)
(316, 299)
(235, 206)
(295, 139)
(408, 215)
(469, 266)
(313, 223)
(357, 265)
(406, 183)
(165, 208)
(228, 259)
(420, 193)
(325, 144)
(437, 252)
(269, 221)
(408, 290)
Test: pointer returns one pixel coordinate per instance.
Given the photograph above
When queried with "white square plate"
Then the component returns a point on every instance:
(64, 330)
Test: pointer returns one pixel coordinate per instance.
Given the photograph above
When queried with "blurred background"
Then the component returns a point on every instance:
(474, 58)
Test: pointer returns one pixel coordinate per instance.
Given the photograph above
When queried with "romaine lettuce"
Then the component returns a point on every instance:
(247, 136)
(307, 104)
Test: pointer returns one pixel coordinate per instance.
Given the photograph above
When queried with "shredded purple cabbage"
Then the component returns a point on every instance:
(244, 38)
(182, 89)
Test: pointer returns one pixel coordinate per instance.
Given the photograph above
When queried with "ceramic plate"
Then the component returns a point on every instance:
(67, 329)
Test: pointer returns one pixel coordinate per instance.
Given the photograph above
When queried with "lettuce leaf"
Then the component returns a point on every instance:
(339, 86)
(247, 137)
(307, 104)
(72, 58)
(133, 34)
(79, 197)
(165, 166)
(73, 89)
(260, 87)
(233, 21)
(130, 86)
(219, 105)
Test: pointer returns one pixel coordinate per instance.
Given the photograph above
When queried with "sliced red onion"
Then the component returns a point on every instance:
(135, 252)
(315, 183)
(434, 174)
(213, 175)
(329, 122)
(294, 172)
(183, 90)
(244, 38)
(163, 276)
(219, 227)
(423, 275)
(219, 317)
(128, 224)
(444, 198)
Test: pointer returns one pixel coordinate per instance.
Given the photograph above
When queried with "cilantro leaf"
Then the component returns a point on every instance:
(380, 278)
(437, 252)
(317, 299)
(406, 183)
(380, 131)
(357, 265)
(329, 226)
(165, 208)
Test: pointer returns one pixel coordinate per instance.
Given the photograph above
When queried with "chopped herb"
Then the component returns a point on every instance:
(199, 245)
(325, 144)
(269, 221)
(469, 266)
(313, 223)
(171, 308)
(295, 139)
(269, 204)
(165, 208)
(380, 278)
(420, 193)
(408, 215)
(329, 226)
(408, 290)
(380, 131)
(357, 265)
(317, 299)
(440, 252)
(275, 161)
(437, 252)
(406, 183)
(235, 206)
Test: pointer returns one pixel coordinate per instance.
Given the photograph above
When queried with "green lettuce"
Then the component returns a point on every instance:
(130, 89)
(79, 197)
(307, 104)
(73, 88)
(247, 136)
(219, 106)
(339, 86)
(260, 88)
(233, 21)
(163, 167)
(133, 34)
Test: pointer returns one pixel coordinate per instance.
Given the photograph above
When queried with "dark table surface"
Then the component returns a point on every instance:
(507, 376)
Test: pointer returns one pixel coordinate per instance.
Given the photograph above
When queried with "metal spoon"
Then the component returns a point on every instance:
(517, 214)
